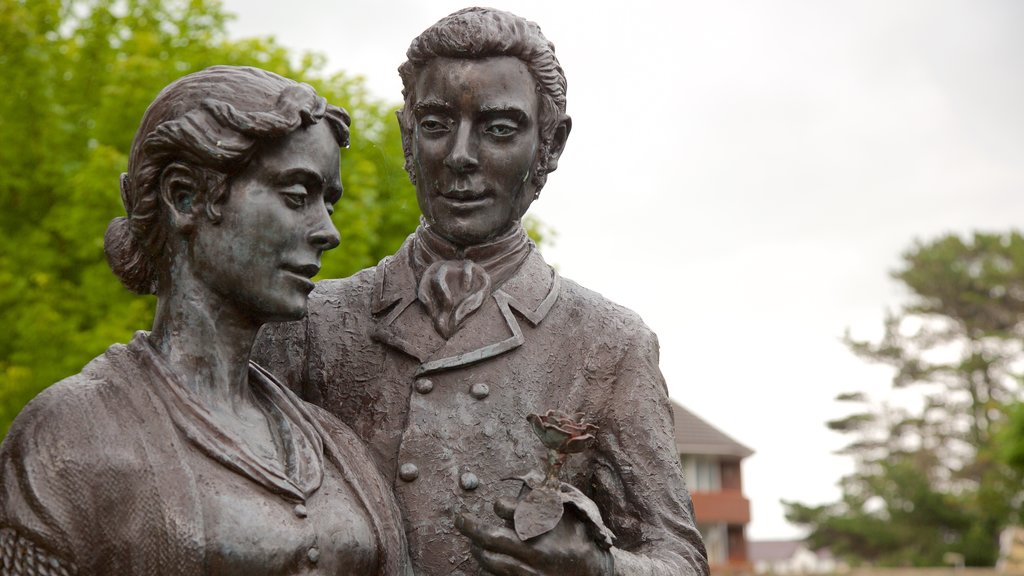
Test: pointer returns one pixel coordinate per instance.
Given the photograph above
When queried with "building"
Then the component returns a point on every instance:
(791, 557)
(711, 462)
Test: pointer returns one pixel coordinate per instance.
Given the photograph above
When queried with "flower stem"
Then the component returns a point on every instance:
(556, 460)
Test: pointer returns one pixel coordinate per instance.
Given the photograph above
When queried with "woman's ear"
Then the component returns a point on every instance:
(179, 191)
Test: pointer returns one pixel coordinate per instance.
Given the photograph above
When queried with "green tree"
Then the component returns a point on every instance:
(1011, 451)
(929, 480)
(78, 75)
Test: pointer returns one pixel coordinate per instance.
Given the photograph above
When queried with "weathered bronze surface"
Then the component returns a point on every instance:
(436, 356)
(174, 454)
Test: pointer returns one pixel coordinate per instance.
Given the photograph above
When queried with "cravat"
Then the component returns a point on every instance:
(454, 281)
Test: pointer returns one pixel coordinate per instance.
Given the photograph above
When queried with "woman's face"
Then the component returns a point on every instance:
(275, 225)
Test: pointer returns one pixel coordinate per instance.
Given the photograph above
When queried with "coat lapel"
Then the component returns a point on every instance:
(401, 323)
(490, 331)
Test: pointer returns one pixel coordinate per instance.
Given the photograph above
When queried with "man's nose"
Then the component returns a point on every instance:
(462, 157)
(324, 236)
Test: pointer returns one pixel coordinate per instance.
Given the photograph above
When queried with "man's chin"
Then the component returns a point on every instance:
(470, 233)
(461, 237)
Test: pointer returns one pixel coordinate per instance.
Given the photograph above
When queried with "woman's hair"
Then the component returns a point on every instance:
(212, 122)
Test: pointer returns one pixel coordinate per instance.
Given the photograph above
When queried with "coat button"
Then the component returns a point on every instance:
(424, 385)
(469, 481)
(300, 511)
(480, 390)
(313, 554)
(408, 472)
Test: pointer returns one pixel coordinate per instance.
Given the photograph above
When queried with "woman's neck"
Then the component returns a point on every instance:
(207, 341)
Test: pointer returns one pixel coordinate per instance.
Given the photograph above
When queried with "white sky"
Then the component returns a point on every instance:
(744, 174)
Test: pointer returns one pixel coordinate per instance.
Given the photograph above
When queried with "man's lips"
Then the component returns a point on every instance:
(465, 197)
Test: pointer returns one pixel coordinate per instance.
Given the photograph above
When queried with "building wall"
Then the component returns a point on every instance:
(721, 511)
(716, 541)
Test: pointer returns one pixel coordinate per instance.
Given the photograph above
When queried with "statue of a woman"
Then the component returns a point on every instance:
(174, 454)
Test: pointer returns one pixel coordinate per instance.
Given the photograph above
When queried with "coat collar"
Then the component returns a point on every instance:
(490, 331)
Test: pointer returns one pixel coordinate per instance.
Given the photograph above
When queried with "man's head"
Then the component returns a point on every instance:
(483, 49)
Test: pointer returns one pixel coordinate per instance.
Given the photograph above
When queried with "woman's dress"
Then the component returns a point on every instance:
(119, 470)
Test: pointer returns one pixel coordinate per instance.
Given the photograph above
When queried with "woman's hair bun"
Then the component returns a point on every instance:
(127, 258)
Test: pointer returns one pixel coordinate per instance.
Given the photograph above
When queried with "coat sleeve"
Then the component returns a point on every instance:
(639, 482)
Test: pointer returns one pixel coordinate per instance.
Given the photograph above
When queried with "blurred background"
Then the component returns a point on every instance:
(814, 205)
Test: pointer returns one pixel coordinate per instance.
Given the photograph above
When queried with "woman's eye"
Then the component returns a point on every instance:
(501, 129)
(295, 196)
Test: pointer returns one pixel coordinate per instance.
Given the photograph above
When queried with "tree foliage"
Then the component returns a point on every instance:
(1011, 441)
(78, 75)
(934, 478)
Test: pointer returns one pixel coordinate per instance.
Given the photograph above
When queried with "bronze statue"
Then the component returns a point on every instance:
(174, 454)
(437, 355)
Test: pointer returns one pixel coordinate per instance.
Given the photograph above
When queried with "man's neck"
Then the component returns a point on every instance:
(450, 250)
(500, 257)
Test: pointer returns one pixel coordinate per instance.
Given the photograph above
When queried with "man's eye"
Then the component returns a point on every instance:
(295, 195)
(433, 125)
(502, 129)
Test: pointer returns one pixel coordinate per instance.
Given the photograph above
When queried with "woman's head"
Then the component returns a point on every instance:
(206, 127)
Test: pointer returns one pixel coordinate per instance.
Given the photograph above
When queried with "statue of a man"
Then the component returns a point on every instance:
(436, 356)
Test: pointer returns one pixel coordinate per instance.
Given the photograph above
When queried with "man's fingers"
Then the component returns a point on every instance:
(493, 538)
(501, 564)
(505, 508)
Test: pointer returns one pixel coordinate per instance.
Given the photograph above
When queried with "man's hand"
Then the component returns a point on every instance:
(567, 550)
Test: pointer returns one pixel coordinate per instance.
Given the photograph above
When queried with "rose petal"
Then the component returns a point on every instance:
(578, 444)
(536, 423)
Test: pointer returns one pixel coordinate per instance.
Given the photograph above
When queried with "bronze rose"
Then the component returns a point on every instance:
(544, 497)
(563, 433)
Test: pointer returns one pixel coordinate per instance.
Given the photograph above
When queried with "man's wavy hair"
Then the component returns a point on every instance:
(212, 122)
(474, 33)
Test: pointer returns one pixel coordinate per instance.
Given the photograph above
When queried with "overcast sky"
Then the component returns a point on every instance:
(744, 175)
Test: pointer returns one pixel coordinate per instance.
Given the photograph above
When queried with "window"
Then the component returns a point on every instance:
(714, 536)
(703, 473)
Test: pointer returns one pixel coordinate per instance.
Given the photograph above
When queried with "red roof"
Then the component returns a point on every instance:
(780, 550)
(695, 436)
(772, 550)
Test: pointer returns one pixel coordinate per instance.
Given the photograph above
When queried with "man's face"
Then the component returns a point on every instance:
(475, 138)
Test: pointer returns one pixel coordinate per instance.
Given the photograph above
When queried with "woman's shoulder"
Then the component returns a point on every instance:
(74, 412)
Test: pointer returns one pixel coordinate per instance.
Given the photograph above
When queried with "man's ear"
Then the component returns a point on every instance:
(558, 141)
(179, 191)
(406, 132)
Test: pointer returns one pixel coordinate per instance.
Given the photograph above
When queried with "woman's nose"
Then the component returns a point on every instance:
(324, 235)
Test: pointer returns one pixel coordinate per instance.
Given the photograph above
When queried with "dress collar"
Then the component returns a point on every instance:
(300, 473)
